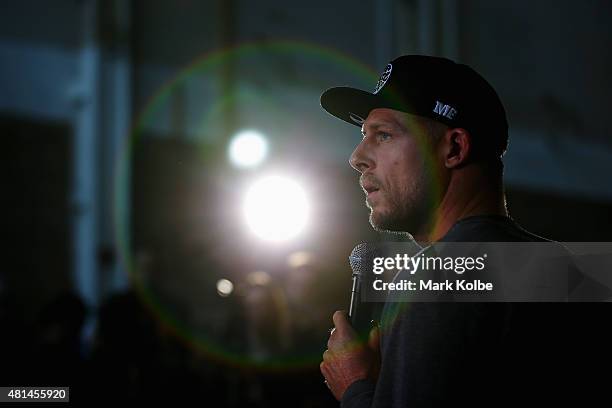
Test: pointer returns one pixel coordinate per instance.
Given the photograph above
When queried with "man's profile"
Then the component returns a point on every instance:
(430, 163)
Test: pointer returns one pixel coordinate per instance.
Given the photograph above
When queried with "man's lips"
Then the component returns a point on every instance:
(369, 185)
(369, 189)
(371, 196)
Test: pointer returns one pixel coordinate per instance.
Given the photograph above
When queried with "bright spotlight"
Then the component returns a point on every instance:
(225, 287)
(248, 149)
(276, 208)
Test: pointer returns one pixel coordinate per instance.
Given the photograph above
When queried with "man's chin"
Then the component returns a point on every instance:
(382, 223)
(397, 225)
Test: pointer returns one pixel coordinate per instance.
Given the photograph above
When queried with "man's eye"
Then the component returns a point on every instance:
(384, 136)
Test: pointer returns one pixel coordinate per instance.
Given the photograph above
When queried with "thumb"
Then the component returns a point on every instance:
(374, 339)
(342, 323)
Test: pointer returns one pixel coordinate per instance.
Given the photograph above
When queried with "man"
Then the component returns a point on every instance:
(434, 133)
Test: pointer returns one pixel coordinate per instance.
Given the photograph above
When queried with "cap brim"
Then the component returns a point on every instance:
(350, 104)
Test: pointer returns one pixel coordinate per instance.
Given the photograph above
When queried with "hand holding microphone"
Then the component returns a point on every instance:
(348, 357)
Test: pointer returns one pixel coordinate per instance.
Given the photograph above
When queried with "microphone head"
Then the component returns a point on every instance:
(361, 257)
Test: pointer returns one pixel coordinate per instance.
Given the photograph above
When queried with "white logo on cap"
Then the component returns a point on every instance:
(445, 110)
(356, 118)
(383, 78)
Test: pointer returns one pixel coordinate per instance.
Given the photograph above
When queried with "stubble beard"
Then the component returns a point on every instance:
(407, 211)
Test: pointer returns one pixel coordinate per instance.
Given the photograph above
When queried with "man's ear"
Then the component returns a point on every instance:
(456, 147)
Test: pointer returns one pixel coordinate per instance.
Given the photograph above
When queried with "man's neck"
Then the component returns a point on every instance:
(463, 199)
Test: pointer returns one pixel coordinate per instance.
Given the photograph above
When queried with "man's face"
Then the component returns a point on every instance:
(396, 173)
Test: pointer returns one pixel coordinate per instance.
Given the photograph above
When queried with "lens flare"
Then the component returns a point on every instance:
(276, 209)
(207, 130)
(225, 287)
(248, 149)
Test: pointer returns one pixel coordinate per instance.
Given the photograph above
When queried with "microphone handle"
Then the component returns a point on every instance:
(357, 312)
(355, 290)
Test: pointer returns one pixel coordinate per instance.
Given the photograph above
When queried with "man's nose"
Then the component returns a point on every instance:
(360, 159)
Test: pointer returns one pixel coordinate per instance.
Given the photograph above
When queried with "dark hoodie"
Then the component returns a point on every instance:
(435, 354)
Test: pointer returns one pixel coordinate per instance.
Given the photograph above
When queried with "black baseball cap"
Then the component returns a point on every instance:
(433, 87)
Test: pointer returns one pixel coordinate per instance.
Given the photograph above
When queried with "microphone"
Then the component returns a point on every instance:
(361, 261)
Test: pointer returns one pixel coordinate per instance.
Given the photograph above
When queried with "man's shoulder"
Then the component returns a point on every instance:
(490, 228)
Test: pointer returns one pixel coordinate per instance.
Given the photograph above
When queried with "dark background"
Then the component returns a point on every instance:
(121, 210)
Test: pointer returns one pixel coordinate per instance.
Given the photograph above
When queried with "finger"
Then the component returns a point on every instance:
(341, 322)
(327, 375)
(327, 356)
(374, 339)
(325, 371)
(331, 332)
